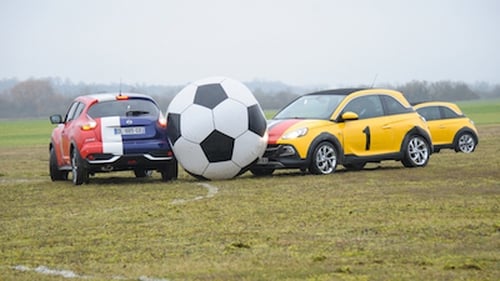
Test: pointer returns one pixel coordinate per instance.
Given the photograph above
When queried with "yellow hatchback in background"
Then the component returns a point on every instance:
(449, 127)
(350, 127)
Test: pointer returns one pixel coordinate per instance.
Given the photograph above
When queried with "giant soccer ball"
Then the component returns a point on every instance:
(217, 128)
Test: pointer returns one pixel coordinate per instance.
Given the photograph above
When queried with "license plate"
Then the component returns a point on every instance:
(130, 131)
(263, 161)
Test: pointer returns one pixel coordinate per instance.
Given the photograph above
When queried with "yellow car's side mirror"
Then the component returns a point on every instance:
(349, 115)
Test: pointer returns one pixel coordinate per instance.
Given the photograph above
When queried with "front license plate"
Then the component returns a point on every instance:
(263, 161)
(130, 131)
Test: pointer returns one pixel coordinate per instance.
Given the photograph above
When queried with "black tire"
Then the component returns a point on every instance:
(416, 152)
(142, 173)
(261, 172)
(465, 142)
(55, 173)
(323, 159)
(78, 168)
(358, 166)
(170, 171)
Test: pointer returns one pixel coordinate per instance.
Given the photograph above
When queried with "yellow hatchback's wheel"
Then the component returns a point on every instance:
(416, 152)
(465, 143)
(324, 159)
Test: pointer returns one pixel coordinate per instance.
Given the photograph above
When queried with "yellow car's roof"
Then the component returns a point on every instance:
(450, 105)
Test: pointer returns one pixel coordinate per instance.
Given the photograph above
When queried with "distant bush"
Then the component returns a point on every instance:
(43, 97)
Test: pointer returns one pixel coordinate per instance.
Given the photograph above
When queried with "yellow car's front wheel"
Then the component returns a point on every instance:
(324, 159)
(465, 143)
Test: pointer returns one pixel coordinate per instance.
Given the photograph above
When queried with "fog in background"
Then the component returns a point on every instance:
(317, 42)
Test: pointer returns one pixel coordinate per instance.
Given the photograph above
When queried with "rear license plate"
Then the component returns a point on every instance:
(130, 131)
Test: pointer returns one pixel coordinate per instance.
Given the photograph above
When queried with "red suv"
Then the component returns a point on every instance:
(110, 132)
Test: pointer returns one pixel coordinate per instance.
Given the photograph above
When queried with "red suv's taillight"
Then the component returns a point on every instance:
(162, 121)
(89, 125)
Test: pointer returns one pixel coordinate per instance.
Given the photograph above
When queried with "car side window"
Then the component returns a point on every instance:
(392, 106)
(366, 107)
(71, 112)
(448, 113)
(430, 113)
(79, 110)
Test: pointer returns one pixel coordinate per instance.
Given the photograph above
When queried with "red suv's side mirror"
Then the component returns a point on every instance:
(56, 119)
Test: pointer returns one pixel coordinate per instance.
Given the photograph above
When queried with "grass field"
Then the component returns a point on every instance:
(441, 222)
(482, 111)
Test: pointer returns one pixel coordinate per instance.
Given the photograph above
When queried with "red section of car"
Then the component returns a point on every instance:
(276, 130)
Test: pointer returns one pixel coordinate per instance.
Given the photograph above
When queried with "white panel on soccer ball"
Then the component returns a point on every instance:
(231, 118)
(221, 170)
(190, 156)
(183, 99)
(248, 147)
(209, 80)
(238, 91)
(196, 123)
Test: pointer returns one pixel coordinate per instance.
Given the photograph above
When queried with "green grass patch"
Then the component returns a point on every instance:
(385, 222)
(270, 113)
(25, 132)
(482, 111)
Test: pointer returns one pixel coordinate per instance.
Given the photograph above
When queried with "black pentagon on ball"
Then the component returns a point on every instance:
(209, 95)
(173, 126)
(256, 121)
(218, 147)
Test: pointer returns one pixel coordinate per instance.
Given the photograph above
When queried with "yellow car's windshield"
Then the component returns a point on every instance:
(319, 106)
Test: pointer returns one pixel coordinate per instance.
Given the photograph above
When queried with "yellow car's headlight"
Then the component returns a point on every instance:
(295, 134)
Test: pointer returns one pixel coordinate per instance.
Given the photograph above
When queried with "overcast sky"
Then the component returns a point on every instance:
(337, 43)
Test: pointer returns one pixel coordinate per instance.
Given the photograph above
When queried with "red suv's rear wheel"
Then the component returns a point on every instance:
(78, 168)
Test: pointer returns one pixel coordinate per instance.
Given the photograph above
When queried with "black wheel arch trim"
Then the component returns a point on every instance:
(419, 132)
(329, 138)
(465, 130)
(74, 146)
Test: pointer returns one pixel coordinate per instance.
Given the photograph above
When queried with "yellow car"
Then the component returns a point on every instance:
(350, 127)
(449, 127)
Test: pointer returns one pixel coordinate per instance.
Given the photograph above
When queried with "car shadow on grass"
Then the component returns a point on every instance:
(340, 170)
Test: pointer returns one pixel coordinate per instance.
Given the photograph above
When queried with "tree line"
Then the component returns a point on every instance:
(44, 97)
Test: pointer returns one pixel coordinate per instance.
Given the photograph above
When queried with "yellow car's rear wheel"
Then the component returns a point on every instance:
(416, 152)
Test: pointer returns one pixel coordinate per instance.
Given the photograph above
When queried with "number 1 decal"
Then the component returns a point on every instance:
(366, 131)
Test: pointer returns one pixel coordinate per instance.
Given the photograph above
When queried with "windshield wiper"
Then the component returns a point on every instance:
(136, 113)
